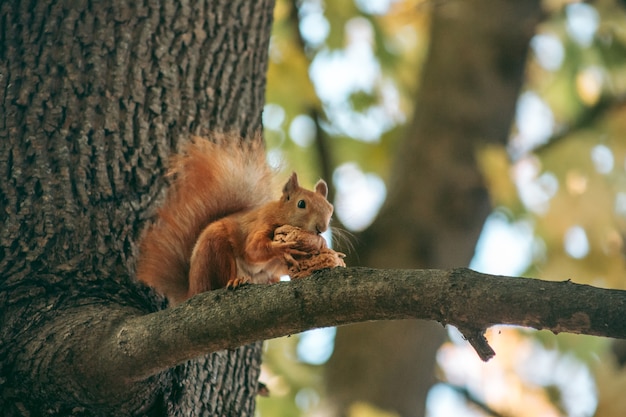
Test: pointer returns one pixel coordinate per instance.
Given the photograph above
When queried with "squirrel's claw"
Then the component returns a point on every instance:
(237, 282)
(292, 249)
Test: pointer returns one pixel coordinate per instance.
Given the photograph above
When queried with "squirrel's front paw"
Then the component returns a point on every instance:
(289, 250)
(292, 250)
(291, 262)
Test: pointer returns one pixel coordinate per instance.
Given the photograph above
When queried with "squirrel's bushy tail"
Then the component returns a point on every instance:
(209, 181)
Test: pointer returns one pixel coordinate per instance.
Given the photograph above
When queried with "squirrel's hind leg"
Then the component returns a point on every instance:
(213, 263)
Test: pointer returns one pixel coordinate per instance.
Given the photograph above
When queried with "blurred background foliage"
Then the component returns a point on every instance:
(341, 85)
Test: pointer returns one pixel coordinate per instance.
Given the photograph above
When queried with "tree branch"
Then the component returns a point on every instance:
(145, 345)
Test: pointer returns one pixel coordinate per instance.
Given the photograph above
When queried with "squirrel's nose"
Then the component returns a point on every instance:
(321, 227)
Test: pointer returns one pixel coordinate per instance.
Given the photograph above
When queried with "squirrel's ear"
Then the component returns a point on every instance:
(321, 188)
(291, 185)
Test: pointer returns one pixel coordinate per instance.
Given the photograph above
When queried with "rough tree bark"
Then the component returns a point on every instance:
(94, 97)
(437, 201)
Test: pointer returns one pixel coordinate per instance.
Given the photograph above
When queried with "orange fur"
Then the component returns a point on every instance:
(209, 181)
(217, 224)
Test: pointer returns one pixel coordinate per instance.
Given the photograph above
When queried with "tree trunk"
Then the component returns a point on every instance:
(437, 200)
(94, 97)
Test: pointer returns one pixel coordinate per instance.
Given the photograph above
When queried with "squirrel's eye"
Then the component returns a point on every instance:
(301, 204)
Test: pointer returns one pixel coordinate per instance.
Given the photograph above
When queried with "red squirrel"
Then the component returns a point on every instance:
(216, 226)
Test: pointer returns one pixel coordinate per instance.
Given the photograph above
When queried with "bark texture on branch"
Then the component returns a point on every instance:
(469, 300)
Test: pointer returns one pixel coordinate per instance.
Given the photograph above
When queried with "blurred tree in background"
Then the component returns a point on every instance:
(407, 103)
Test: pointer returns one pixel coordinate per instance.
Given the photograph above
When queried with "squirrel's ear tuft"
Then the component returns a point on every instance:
(291, 185)
(321, 188)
